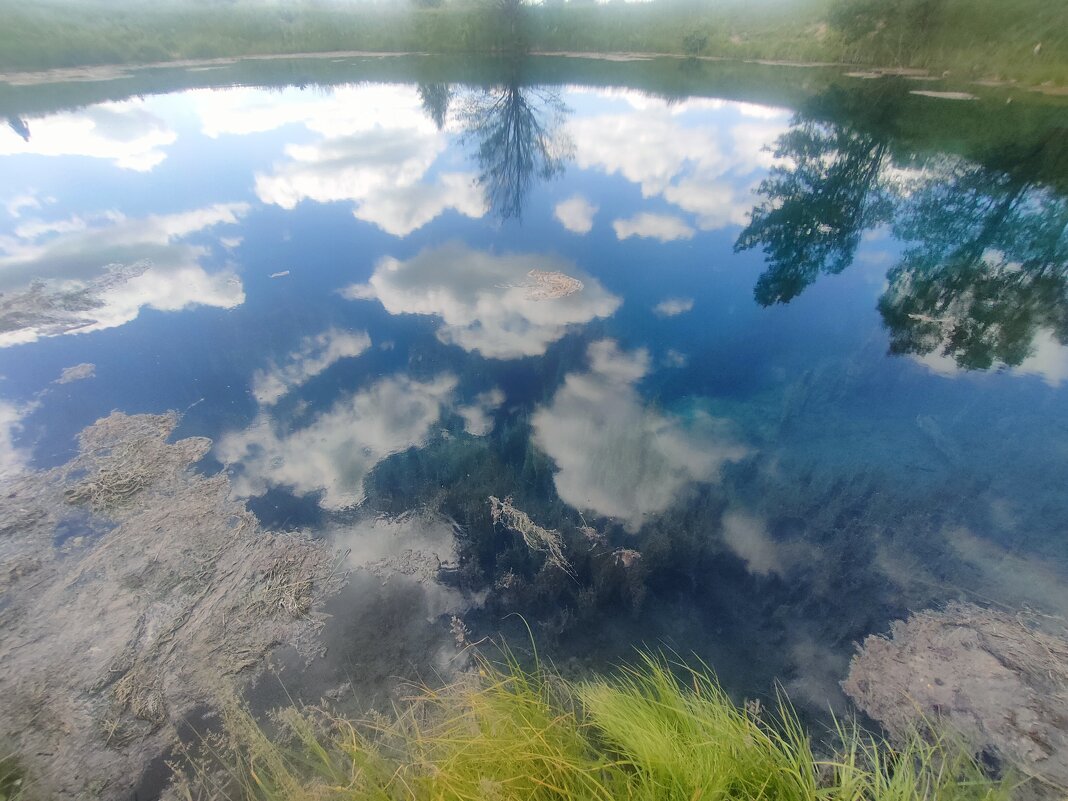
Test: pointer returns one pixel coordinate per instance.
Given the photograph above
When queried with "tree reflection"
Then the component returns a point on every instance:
(19, 126)
(987, 265)
(816, 205)
(436, 98)
(520, 137)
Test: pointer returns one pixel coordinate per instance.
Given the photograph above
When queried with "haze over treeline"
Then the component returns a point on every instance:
(1021, 40)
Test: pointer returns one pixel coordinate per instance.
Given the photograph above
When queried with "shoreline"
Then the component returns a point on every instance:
(119, 71)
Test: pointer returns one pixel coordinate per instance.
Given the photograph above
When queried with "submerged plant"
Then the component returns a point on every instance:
(657, 732)
(537, 538)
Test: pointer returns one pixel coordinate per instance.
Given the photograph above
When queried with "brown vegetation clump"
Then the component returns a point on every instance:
(1000, 680)
(550, 285)
(172, 597)
(547, 541)
(51, 309)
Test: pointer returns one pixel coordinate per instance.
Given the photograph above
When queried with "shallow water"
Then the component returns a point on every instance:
(814, 369)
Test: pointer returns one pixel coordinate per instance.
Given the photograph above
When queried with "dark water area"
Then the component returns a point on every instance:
(782, 354)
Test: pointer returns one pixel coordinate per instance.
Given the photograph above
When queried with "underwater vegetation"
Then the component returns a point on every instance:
(655, 731)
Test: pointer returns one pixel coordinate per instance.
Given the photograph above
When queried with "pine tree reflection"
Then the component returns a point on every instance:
(520, 137)
(436, 98)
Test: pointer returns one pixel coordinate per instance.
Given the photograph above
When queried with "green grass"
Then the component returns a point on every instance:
(967, 38)
(656, 732)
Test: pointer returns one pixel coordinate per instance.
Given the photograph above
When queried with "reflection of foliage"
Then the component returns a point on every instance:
(816, 206)
(986, 264)
(19, 126)
(988, 268)
(519, 142)
(436, 98)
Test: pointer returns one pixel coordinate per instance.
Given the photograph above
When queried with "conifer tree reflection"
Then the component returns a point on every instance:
(19, 126)
(817, 204)
(436, 98)
(987, 267)
(520, 137)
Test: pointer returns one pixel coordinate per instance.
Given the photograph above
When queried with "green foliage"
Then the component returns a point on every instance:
(982, 38)
(694, 43)
(657, 732)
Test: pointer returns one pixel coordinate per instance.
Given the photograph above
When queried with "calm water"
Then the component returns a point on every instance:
(815, 373)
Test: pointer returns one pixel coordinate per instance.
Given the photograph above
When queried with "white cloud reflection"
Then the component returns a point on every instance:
(664, 227)
(337, 450)
(126, 133)
(483, 299)
(576, 214)
(374, 147)
(476, 416)
(672, 307)
(86, 274)
(13, 460)
(708, 170)
(314, 356)
(1047, 360)
(614, 455)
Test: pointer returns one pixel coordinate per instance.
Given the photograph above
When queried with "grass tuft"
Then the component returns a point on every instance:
(658, 731)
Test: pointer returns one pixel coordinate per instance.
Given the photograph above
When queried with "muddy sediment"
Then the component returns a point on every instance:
(133, 591)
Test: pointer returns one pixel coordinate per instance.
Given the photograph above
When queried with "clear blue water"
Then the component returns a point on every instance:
(815, 372)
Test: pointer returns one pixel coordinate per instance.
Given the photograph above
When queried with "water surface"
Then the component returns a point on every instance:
(782, 354)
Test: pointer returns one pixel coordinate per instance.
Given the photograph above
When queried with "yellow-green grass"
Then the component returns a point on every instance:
(655, 732)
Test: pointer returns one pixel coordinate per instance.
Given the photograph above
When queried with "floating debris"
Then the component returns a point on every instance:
(594, 537)
(537, 538)
(546, 285)
(281, 274)
(460, 632)
(44, 309)
(944, 95)
(999, 680)
(106, 648)
(419, 544)
(626, 557)
(78, 372)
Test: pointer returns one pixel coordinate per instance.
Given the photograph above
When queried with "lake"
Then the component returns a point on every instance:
(752, 360)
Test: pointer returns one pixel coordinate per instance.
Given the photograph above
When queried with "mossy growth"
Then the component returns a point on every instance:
(657, 730)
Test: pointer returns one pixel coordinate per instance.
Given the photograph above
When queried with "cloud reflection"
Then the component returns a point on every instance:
(374, 148)
(664, 227)
(615, 455)
(340, 447)
(483, 299)
(576, 214)
(13, 460)
(706, 170)
(86, 274)
(127, 134)
(314, 356)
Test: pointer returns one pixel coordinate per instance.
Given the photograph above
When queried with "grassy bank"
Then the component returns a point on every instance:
(510, 734)
(967, 38)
